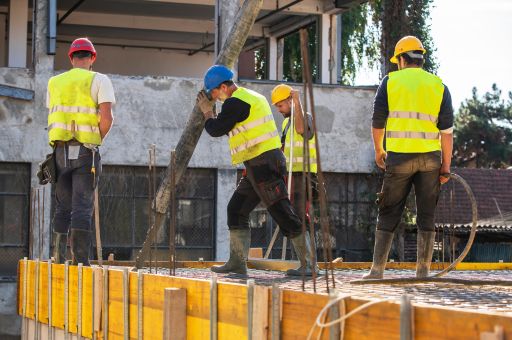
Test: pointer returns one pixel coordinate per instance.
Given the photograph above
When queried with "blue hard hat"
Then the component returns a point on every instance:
(216, 75)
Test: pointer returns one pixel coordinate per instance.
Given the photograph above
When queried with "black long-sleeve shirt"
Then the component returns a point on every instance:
(233, 111)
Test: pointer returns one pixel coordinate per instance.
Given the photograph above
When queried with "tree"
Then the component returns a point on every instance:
(186, 145)
(483, 131)
(389, 20)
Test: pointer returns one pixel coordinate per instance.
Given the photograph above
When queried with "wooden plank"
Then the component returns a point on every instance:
(231, 311)
(43, 293)
(198, 305)
(175, 314)
(115, 306)
(87, 310)
(260, 313)
(58, 295)
(256, 253)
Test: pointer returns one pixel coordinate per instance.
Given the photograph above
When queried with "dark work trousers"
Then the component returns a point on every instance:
(299, 195)
(264, 181)
(74, 190)
(402, 172)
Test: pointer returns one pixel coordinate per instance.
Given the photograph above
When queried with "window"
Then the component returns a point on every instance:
(253, 63)
(292, 59)
(14, 215)
(124, 218)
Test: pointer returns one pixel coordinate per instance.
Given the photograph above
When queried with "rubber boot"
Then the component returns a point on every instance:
(239, 243)
(425, 243)
(60, 247)
(80, 246)
(383, 240)
(302, 246)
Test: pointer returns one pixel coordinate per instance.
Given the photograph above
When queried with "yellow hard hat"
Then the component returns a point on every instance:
(407, 44)
(280, 93)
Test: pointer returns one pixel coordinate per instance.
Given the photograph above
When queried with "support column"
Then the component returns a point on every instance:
(328, 29)
(279, 63)
(3, 32)
(225, 13)
(18, 19)
(45, 217)
(272, 58)
(226, 185)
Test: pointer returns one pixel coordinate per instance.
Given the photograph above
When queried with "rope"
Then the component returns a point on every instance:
(323, 314)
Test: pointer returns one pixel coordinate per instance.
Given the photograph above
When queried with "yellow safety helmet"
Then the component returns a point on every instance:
(280, 93)
(407, 44)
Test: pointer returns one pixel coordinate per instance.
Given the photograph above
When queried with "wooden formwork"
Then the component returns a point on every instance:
(117, 304)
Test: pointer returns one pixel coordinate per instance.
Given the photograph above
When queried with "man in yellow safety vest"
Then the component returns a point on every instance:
(247, 119)
(286, 100)
(80, 117)
(413, 112)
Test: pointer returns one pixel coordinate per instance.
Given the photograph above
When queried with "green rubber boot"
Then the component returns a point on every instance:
(383, 240)
(303, 248)
(80, 246)
(239, 243)
(425, 250)
(60, 247)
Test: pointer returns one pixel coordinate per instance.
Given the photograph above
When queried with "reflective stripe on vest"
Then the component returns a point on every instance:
(73, 109)
(73, 113)
(298, 150)
(238, 129)
(256, 134)
(414, 101)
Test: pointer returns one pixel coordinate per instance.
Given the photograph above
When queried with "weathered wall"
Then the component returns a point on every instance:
(10, 322)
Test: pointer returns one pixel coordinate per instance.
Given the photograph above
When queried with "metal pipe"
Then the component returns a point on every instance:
(280, 9)
(250, 307)
(66, 300)
(213, 308)
(140, 305)
(71, 10)
(50, 327)
(79, 299)
(126, 303)
(406, 318)
(276, 312)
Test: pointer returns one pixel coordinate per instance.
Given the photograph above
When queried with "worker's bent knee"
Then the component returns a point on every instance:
(288, 221)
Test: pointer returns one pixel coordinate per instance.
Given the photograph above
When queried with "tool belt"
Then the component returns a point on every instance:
(47, 172)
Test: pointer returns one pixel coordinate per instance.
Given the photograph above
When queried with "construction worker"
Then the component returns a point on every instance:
(247, 119)
(284, 98)
(80, 117)
(413, 110)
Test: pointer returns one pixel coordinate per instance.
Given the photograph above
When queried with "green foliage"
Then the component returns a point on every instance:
(483, 131)
(359, 42)
(260, 59)
(292, 60)
(391, 19)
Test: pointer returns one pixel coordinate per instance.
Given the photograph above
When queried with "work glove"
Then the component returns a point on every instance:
(204, 104)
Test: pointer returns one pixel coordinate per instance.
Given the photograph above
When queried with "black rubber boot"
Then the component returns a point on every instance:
(80, 246)
(303, 248)
(239, 243)
(425, 243)
(60, 247)
(383, 241)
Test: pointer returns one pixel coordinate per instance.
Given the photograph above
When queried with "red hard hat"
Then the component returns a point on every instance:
(81, 44)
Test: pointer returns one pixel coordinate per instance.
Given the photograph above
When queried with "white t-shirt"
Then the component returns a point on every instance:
(102, 90)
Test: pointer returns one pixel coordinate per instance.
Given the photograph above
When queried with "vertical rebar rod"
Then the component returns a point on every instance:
(140, 305)
(36, 302)
(324, 219)
(172, 222)
(126, 304)
(31, 225)
(93, 318)
(79, 302)
(66, 300)
(24, 300)
(43, 223)
(105, 302)
(276, 313)
(213, 308)
(250, 307)
(150, 205)
(39, 235)
(153, 150)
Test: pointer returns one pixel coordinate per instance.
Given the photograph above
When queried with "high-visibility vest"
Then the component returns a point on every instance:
(414, 101)
(73, 113)
(298, 150)
(255, 135)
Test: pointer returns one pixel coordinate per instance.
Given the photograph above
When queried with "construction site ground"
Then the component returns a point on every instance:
(479, 298)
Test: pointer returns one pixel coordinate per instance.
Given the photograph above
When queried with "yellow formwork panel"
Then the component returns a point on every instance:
(58, 296)
(87, 304)
(115, 305)
(232, 311)
(73, 299)
(133, 309)
(43, 293)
